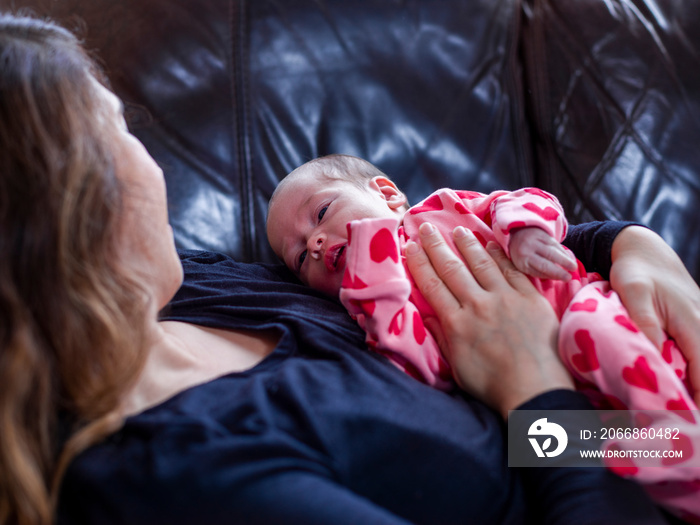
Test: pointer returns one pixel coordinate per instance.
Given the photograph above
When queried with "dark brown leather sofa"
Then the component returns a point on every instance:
(597, 101)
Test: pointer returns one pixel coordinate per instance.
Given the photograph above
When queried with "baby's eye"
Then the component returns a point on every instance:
(302, 257)
(322, 212)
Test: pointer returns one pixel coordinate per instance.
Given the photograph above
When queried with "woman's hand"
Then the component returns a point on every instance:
(498, 333)
(659, 293)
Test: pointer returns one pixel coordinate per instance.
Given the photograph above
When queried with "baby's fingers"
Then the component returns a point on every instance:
(537, 254)
(550, 266)
(557, 254)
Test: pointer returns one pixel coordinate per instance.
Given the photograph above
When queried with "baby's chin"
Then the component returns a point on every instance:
(335, 291)
(330, 287)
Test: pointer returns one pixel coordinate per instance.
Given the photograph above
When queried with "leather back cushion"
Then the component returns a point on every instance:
(597, 101)
(229, 96)
(615, 110)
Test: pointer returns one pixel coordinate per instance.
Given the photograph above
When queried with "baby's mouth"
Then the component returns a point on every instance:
(335, 257)
(339, 255)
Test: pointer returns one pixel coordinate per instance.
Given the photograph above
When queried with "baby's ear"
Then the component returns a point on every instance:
(394, 197)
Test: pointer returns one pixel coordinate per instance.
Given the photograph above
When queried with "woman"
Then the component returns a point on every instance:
(253, 401)
(75, 295)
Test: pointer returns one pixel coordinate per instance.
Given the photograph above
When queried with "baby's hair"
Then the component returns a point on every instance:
(344, 168)
(335, 167)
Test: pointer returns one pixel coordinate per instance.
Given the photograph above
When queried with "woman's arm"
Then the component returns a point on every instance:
(592, 242)
(654, 285)
(659, 293)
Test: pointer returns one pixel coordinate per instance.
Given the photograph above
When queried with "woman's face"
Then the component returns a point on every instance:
(147, 238)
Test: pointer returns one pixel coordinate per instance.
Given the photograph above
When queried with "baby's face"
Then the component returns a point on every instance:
(307, 225)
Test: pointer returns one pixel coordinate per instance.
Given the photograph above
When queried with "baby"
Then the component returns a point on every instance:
(340, 225)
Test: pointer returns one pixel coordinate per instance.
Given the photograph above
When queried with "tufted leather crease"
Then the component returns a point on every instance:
(597, 101)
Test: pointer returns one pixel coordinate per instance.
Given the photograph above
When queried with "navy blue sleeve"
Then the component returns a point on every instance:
(592, 495)
(592, 242)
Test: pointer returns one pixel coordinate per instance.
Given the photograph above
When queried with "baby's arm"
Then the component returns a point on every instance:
(530, 224)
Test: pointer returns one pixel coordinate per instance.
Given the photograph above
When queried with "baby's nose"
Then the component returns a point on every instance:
(315, 246)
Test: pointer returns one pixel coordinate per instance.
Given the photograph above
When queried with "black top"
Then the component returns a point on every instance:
(321, 432)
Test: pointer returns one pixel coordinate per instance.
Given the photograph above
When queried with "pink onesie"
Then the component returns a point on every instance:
(611, 360)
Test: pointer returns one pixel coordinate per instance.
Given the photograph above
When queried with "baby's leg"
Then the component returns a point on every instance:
(601, 346)
(621, 369)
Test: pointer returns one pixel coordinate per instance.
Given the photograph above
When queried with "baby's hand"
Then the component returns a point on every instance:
(535, 253)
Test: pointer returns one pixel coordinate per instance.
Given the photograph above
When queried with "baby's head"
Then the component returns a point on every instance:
(310, 209)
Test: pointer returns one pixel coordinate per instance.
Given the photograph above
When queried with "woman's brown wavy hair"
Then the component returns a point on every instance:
(72, 318)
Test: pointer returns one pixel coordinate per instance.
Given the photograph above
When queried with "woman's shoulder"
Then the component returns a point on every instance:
(220, 292)
(204, 262)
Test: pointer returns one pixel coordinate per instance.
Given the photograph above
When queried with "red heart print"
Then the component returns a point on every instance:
(353, 282)
(432, 203)
(366, 306)
(383, 246)
(681, 408)
(626, 322)
(479, 237)
(512, 226)
(577, 274)
(666, 351)
(418, 328)
(587, 360)
(620, 464)
(641, 375)
(589, 305)
(396, 324)
(604, 294)
(548, 213)
(681, 444)
(538, 192)
(468, 195)
(461, 208)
